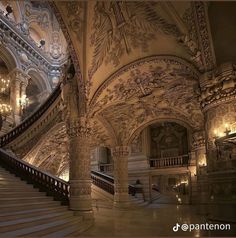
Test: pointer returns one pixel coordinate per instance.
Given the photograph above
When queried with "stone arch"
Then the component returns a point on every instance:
(54, 153)
(71, 49)
(152, 88)
(159, 120)
(9, 57)
(40, 79)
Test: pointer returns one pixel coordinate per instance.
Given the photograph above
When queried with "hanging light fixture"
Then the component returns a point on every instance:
(5, 107)
(24, 102)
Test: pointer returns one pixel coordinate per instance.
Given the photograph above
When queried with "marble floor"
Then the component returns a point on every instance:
(151, 221)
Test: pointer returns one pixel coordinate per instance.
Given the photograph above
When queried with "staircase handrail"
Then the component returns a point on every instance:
(46, 182)
(22, 127)
(106, 182)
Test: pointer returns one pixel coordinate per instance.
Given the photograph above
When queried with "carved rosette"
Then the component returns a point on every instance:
(218, 86)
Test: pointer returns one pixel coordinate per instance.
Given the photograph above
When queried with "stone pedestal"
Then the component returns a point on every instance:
(120, 158)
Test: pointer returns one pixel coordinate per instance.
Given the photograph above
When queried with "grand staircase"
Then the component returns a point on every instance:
(24, 211)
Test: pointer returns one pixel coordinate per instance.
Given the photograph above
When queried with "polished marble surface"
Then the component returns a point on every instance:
(151, 221)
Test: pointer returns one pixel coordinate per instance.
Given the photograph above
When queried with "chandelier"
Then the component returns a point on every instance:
(5, 107)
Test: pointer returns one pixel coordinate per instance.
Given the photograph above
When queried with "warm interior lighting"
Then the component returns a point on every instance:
(23, 102)
(5, 107)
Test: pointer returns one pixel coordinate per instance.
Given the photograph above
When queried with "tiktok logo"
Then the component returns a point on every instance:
(176, 227)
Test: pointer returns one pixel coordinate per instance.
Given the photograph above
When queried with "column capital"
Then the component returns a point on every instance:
(19, 75)
(121, 151)
(79, 128)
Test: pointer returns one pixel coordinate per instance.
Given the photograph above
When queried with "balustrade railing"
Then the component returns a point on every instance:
(106, 183)
(11, 135)
(103, 181)
(106, 168)
(178, 161)
(53, 186)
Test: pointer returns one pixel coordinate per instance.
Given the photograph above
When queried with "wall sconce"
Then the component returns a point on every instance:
(23, 102)
(201, 164)
(227, 130)
(216, 136)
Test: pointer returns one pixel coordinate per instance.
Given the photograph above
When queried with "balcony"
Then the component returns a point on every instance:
(177, 161)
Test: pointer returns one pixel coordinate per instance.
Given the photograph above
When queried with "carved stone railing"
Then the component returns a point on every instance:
(106, 168)
(30, 121)
(177, 161)
(103, 181)
(9, 29)
(106, 183)
(46, 182)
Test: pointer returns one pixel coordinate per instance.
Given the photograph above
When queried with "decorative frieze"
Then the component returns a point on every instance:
(78, 128)
(218, 86)
(204, 35)
(121, 151)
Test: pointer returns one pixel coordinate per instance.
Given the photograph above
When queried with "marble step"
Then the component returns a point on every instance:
(16, 189)
(17, 194)
(38, 230)
(63, 230)
(31, 205)
(60, 225)
(8, 216)
(24, 200)
(32, 221)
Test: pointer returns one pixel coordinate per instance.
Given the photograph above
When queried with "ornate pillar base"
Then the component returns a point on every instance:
(80, 199)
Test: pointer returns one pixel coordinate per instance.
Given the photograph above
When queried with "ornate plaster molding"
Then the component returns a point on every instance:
(187, 68)
(218, 86)
(204, 34)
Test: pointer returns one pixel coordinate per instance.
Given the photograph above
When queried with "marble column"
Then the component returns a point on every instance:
(17, 76)
(23, 94)
(120, 156)
(199, 148)
(78, 131)
(219, 106)
(218, 101)
(80, 168)
(198, 177)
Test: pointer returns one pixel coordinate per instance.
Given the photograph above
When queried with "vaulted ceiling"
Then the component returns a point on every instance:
(140, 61)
